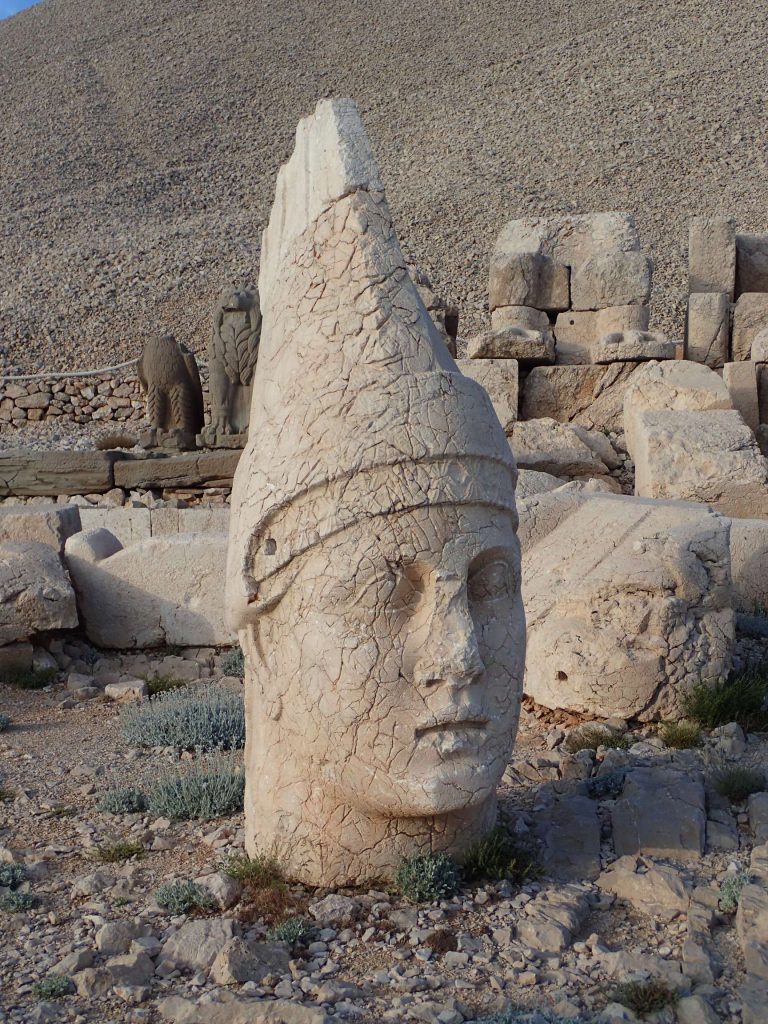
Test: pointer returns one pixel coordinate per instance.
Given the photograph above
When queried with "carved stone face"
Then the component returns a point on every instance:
(393, 663)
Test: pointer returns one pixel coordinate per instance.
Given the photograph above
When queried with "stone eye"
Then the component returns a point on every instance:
(490, 582)
(408, 591)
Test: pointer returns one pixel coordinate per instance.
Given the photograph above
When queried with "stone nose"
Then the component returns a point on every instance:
(450, 653)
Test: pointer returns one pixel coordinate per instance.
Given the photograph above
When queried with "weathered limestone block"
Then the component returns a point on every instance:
(632, 346)
(35, 592)
(751, 263)
(752, 929)
(654, 889)
(203, 469)
(373, 561)
(628, 605)
(611, 278)
(741, 381)
(551, 447)
(577, 330)
(568, 831)
(708, 328)
(712, 255)
(165, 590)
(499, 378)
(444, 316)
(570, 240)
(49, 473)
(232, 353)
(660, 813)
(131, 525)
(232, 1009)
(750, 317)
(674, 385)
(16, 657)
(40, 524)
(527, 279)
(759, 350)
(749, 564)
(170, 380)
(701, 456)
(541, 514)
(531, 481)
(552, 918)
(527, 317)
(590, 395)
(528, 347)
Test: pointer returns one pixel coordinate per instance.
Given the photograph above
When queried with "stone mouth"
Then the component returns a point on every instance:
(450, 723)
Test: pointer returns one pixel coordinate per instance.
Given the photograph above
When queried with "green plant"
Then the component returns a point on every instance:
(435, 876)
(15, 902)
(121, 901)
(123, 800)
(12, 875)
(594, 736)
(742, 699)
(608, 785)
(205, 719)
(5, 721)
(263, 871)
(117, 852)
(730, 890)
(53, 987)
(501, 855)
(644, 996)
(29, 679)
(512, 1016)
(209, 790)
(738, 783)
(294, 930)
(233, 663)
(681, 735)
(162, 684)
(182, 896)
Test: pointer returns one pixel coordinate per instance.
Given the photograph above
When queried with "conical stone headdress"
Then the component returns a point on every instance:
(358, 408)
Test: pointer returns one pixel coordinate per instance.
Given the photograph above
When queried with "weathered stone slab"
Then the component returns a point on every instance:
(25, 472)
(40, 524)
(711, 255)
(551, 447)
(632, 346)
(234, 1009)
(674, 385)
(708, 328)
(751, 263)
(590, 395)
(527, 279)
(164, 590)
(741, 381)
(752, 929)
(528, 347)
(750, 317)
(711, 457)
(527, 317)
(499, 377)
(660, 813)
(611, 279)
(577, 330)
(131, 525)
(531, 481)
(35, 592)
(540, 514)
(570, 239)
(204, 469)
(568, 829)
(627, 603)
(653, 889)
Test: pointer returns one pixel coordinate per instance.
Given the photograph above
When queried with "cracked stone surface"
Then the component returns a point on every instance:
(35, 592)
(374, 567)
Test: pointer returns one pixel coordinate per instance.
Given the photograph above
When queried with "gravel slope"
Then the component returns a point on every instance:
(139, 142)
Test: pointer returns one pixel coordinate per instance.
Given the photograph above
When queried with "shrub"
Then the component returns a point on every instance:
(501, 855)
(12, 875)
(233, 663)
(182, 896)
(209, 790)
(29, 679)
(607, 786)
(123, 800)
(681, 735)
(644, 997)
(203, 719)
(730, 891)
(294, 930)
(738, 783)
(261, 872)
(594, 736)
(16, 902)
(742, 699)
(434, 876)
(53, 987)
(162, 684)
(117, 852)
(5, 721)
(512, 1016)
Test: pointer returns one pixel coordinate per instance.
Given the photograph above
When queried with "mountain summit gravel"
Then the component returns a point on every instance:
(139, 143)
